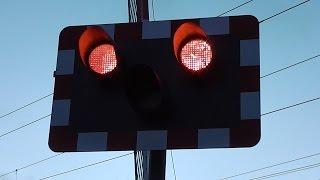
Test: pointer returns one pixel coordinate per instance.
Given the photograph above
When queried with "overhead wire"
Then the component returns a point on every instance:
(291, 106)
(247, 2)
(290, 66)
(25, 125)
(281, 12)
(86, 166)
(24, 106)
(303, 168)
(271, 166)
(307, 101)
(31, 164)
(173, 167)
(153, 10)
(285, 162)
(287, 107)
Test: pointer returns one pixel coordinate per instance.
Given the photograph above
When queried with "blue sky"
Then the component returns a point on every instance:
(29, 37)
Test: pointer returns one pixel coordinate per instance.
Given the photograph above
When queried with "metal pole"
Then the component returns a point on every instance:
(149, 165)
(138, 10)
(157, 165)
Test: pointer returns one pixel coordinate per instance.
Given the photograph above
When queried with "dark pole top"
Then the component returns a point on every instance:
(138, 10)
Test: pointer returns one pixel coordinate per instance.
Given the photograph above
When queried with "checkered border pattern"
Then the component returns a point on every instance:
(247, 134)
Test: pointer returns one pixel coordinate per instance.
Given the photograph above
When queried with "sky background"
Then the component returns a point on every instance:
(28, 49)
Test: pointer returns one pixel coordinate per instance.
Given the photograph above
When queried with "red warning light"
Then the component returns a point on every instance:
(97, 51)
(192, 48)
(102, 59)
(196, 54)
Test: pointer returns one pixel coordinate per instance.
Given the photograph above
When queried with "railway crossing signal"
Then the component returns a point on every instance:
(179, 84)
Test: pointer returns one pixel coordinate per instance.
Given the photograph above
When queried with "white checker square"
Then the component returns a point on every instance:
(249, 52)
(155, 30)
(60, 112)
(156, 140)
(213, 138)
(96, 141)
(252, 100)
(65, 62)
(215, 26)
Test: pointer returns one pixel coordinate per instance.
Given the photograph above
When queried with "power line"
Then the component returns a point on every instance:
(24, 106)
(303, 168)
(274, 165)
(234, 8)
(153, 11)
(86, 166)
(174, 169)
(287, 107)
(290, 66)
(31, 164)
(274, 15)
(45, 159)
(25, 125)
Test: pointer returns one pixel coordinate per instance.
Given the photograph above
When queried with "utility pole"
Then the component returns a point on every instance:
(149, 165)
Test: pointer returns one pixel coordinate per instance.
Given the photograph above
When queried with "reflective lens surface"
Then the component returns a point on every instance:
(102, 59)
(196, 55)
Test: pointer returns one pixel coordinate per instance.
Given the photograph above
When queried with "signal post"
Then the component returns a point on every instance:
(152, 163)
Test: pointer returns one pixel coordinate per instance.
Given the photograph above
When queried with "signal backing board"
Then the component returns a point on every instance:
(90, 113)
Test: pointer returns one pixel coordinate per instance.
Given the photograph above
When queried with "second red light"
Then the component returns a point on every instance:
(196, 55)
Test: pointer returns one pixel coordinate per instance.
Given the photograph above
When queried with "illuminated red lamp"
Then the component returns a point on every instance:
(196, 54)
(102, 59)
(192, 47)
(97, 51)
